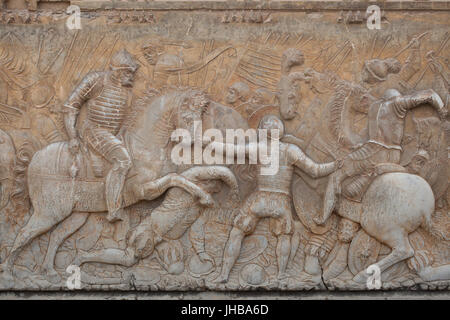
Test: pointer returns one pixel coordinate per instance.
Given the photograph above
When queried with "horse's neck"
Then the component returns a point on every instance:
(154, 126)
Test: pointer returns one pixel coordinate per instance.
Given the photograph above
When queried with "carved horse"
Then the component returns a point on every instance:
(64, 201)
(393, 206)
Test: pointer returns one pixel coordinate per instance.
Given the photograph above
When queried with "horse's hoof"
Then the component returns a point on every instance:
(53, 276)
(361, 277)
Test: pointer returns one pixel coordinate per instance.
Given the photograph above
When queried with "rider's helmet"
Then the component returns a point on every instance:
(123, 60)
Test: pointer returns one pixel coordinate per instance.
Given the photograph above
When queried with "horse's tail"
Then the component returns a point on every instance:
(436, 224)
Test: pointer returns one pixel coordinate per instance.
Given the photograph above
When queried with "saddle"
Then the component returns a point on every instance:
(92, 165)
(355, 187)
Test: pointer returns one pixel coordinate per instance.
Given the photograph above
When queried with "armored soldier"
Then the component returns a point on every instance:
(386, 126)
(106, 95)
(272, 199)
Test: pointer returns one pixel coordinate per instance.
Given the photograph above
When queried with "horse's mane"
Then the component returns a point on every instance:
(337, 107)
(142, 103)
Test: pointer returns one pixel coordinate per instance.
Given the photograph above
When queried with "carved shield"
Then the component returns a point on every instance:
(363, 252)
(308, 204)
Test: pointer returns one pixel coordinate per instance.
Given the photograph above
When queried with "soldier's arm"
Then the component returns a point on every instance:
(299, 159)
(72, 106)
(237, 148)
(405, 103)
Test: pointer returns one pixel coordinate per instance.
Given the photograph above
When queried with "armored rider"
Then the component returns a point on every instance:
(386, 126)
(107, 97)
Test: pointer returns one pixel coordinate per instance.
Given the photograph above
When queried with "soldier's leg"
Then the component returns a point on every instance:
(115, 181)
(140, 244)
(281, 227)
(125, 257)
(283, 250)
(244, 224)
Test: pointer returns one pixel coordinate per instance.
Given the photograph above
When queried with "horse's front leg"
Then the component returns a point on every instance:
(152, 190)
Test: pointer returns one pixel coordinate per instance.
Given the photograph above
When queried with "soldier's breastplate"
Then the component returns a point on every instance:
(108, 109)
(280, 182)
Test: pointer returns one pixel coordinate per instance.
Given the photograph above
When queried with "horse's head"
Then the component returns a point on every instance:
(192, 105)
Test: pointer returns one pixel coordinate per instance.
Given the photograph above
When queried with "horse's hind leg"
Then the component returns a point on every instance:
(401, 250)
(64, 230)
(38, 224)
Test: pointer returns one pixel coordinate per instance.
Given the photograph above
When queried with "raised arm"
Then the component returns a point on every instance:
(237, 148)
(299, 159)
(404, 103)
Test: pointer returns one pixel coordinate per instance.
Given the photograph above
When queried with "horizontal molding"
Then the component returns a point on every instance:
(274, 5)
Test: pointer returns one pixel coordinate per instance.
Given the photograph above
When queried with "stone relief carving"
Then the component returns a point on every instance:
(87, 176)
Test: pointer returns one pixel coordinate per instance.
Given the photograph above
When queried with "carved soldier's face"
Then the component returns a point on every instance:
(416, 165)
(232, 96)
(152, 53)
(272, 123)
(126, 77)
(257, 99)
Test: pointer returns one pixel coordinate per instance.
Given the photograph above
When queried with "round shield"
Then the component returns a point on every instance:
(363, 252)
(198, 268)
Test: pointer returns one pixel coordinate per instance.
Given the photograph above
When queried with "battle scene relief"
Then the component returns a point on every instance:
(357, 118)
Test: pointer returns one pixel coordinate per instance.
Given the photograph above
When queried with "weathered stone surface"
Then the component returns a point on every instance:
(87, 170)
